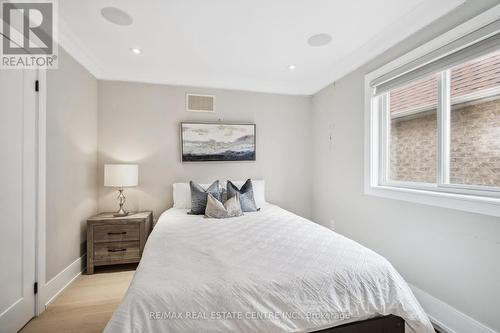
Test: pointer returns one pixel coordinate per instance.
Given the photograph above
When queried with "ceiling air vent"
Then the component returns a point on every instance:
(200, 103)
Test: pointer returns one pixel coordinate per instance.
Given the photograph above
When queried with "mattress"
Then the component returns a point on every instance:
(267, 271)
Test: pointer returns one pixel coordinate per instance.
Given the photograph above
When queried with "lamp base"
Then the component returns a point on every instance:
(121, 200)
(120, 214)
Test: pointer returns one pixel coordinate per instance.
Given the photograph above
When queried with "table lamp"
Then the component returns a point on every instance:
(120, 176)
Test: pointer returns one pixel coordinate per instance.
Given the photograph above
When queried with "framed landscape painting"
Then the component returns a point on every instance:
(206, 142)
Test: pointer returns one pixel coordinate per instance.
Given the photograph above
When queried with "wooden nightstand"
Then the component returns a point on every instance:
(116, 240)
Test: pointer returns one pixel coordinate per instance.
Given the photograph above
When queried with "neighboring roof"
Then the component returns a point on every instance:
(467, 79)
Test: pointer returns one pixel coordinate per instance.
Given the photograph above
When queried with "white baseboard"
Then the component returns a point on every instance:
(59, 282)
(446, 318)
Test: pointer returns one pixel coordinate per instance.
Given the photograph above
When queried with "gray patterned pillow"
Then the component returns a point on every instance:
(215, 208)
(199, 196)
(247, 200)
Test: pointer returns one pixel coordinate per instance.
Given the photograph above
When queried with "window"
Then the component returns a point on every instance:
(475, 122)
(474, 154)
(433, 123)
(413, 131)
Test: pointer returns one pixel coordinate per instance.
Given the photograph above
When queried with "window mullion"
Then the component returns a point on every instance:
(443, 129)
(384, 138)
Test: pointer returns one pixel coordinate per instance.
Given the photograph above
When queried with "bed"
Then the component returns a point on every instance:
(267, 271)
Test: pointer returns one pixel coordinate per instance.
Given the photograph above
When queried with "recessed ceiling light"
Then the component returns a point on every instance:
(291, 67)
(116, 16)
(319, 40)
(136, 50)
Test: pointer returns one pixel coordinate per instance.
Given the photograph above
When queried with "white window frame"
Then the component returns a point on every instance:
(471, 198)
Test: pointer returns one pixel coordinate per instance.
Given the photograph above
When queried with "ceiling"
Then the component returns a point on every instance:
(239, 44)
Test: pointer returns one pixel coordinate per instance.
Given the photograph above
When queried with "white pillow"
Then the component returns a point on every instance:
(259, 190)
(182, 195)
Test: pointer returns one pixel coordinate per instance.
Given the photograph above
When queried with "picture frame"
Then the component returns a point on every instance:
(218, 142)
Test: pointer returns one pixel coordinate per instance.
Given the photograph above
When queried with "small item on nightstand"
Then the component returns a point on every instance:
(117, 240)
(121, 175)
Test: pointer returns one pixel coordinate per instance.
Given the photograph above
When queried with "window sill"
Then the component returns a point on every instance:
(468, 203)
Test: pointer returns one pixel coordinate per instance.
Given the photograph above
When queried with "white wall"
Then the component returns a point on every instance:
(71, 161)
(139, 123)
(451, 255)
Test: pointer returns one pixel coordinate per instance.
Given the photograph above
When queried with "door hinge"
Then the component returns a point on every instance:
(35, 288)
(37, 86)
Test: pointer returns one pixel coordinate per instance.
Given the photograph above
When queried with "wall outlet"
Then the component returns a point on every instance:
(331, 127)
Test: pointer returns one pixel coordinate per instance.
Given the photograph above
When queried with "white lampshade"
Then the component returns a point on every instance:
(121, 175)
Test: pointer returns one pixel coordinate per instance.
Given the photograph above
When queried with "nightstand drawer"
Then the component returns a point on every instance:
(116, 232)
(105, 253)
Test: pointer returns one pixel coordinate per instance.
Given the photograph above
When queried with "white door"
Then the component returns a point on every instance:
(18, 165)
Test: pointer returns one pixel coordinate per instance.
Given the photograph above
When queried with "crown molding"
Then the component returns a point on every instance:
(68, 40)
(395, 32)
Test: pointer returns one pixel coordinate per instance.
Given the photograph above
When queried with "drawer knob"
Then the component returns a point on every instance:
(116, 249)
(117, 233)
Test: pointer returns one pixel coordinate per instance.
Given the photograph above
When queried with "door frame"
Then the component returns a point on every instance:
(40, 253)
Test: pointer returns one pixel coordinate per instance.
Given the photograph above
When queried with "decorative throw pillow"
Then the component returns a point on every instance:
(223, 195)
(247, 200)
(216, 209)
(199, 196)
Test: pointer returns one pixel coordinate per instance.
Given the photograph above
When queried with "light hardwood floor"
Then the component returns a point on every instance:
(86, 305)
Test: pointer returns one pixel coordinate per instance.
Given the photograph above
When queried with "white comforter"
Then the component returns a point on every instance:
(269, 271)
